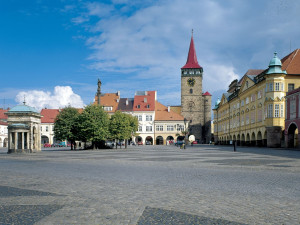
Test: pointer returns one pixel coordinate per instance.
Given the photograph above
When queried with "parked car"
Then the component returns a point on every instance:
(140, 143)
(148, 143)
(179, 143)
(194, 142)
(47, 145)
(110, 144)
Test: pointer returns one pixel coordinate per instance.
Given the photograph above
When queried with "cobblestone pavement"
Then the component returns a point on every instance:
(151, 185)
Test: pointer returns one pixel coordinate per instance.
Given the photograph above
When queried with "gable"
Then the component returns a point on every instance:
(246, 84)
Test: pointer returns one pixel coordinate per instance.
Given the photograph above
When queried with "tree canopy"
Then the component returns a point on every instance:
(65, 125)
(93, 125)
(122, 126)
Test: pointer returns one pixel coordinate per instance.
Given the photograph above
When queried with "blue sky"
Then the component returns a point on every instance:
(53, 51)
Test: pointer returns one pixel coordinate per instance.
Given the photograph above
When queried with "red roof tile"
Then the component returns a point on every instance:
(192, 62)
(144, 102)
(109, 100)
(49, 115)
(291, 62)
(162, 114)
(207, 93)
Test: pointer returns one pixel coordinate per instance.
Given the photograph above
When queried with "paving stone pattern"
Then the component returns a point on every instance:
(151, 185)
(152, 216)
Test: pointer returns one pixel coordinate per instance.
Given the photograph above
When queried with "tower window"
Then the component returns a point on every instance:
(191, 71)
(191, 91)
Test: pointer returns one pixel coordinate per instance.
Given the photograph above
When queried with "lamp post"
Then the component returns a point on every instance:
(185, 133)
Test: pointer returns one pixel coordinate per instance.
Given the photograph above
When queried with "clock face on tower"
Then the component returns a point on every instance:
(191, 82)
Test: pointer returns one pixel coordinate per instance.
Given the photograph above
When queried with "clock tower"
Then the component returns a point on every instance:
(192, 99)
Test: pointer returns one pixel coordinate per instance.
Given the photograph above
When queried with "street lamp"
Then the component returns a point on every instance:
(185, 132)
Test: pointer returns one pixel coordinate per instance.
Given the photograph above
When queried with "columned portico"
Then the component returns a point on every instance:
(24, 124)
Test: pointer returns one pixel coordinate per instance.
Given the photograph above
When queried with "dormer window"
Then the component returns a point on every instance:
(138, 106)
(107, 108)
(148, 106)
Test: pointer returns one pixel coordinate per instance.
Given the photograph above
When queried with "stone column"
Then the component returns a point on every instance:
(16, 141)
(28, 147)
(9, 140)
(23, 141)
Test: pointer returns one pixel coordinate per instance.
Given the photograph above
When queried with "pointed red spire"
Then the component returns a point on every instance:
(192, 62)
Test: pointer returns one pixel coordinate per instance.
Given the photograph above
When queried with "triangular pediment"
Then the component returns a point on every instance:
(223, 100)
(246, 84)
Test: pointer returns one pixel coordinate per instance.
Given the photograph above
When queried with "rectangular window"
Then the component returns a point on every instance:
(159, 128)
(282, 86)
(242, 103)
(252, 97)
(291, 87)
(148, 117)
(277, 87)
(180, 127)
(281, 111)
(247, 100)
(270, 86)
(247, 118)
(253, 117)
(41, 128)
(266, 89)
(238, 105)
(107, 108)
(148, 128)
(170, 128)
(270, 111)
(47, 128)
(292, 109)
(276, 113)
(259, 95)
(259, 115)
(140, 117)
(140, 128)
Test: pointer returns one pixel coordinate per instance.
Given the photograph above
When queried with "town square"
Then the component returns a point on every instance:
(149, 112)
(202, 184)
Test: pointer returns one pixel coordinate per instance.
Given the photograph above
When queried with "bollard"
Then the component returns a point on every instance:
(234, 147)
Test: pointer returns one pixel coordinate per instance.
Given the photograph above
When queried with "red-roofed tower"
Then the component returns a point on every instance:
(195, 104)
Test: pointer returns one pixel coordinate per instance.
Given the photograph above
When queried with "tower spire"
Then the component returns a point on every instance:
(192, 62)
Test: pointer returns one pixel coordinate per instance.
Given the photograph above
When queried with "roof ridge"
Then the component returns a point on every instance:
(294, 55)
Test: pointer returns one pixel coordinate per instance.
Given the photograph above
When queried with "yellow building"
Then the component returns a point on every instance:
(252, 112)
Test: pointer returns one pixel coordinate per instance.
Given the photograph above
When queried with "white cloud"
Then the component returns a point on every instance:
(149, 44)
(61, 97)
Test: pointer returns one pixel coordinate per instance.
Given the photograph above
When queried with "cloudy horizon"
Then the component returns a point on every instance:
(136, 45)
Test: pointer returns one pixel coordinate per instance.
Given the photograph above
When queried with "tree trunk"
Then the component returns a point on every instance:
(126, 143)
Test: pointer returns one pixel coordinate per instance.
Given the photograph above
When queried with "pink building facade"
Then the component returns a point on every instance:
(292, 121)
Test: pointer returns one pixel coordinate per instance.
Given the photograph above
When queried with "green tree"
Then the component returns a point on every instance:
(65, 126)
(93, 125)
(122, 126)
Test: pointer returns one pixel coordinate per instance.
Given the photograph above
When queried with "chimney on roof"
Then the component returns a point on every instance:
(118, 100)
(118, 93)
(127, 101)
(145, 99)
(169, 108)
